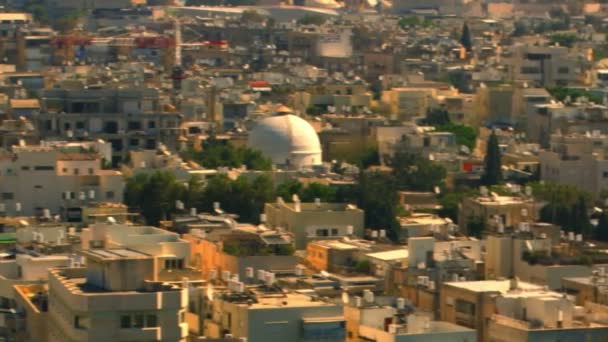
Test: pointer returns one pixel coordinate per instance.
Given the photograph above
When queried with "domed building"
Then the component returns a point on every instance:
(287, 139)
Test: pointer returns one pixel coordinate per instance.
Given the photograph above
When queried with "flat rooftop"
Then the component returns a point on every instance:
(115, 254)
(502, 286)
(394, 255)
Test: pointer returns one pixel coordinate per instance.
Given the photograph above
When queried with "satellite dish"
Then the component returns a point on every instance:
(345, 298)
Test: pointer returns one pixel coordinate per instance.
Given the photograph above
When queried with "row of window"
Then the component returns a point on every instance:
(77, 171)
(39, 168)
(327, 232)
(72, 195)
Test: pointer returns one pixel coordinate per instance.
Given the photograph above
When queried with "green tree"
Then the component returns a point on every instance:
(241, 197)
(154, 195)
(465, 135)
(493, 169)
(436, 117)
(413, 172)
(252, 16)
(363, 266)
(465, 38)
(306, 193)
(218, 153)
(367, 157)
(476, 226)
(567, 206)
(563, 39)
(601, 230)
(377, 196)
(312, 19)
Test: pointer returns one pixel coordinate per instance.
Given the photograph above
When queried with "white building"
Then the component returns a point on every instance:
(288, 140)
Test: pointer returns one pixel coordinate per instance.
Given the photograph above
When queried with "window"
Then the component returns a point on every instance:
(111, 127)
(530, 70)
(563, 70)
(79, 125)
(134, 142)
(7, 196)
(44, 168)
(82, 322)
(134, 125)
(67, 126)
(322, 232)
(334, 232)
(150, 144)
(125, 321)
(151, 320)
(91, 171)
(465, 307)
(64, 170)
(605, 174)
(151, 124)
(116, 144)
(37, 186)
(138, 320)
(172, 264)
(25, 168)
(109, 194)
(76, 171)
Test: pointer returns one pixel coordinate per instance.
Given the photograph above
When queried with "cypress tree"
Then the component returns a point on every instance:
(493, 170)
(465, 38)
(601, 231)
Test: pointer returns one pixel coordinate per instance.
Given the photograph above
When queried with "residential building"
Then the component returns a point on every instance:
(240, 250)
(263, 313)
(576, 159)
(485, 209)
(397, 323)
(116, 297)
(545, 65)
(315, 221)
(171, 252)
(127, 118)
(58, 179)
(540, 315)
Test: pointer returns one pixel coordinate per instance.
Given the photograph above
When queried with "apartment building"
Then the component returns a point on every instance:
(510, 210)
(396, 322)
(315, 221)
(130, 119)
(576, 159)
(171, 253)
(116, 297)
(267, 313)
(58, 179)
(545, 65)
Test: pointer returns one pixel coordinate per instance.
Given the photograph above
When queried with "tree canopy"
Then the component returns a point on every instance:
(312, 19)
(567, 206)
(154, 195)
(413, 172)
(217, 153)
(465, 135)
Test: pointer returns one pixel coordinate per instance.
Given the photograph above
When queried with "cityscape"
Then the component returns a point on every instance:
(304, 170)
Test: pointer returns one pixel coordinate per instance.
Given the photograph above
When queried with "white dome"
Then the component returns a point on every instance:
(287, 140)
